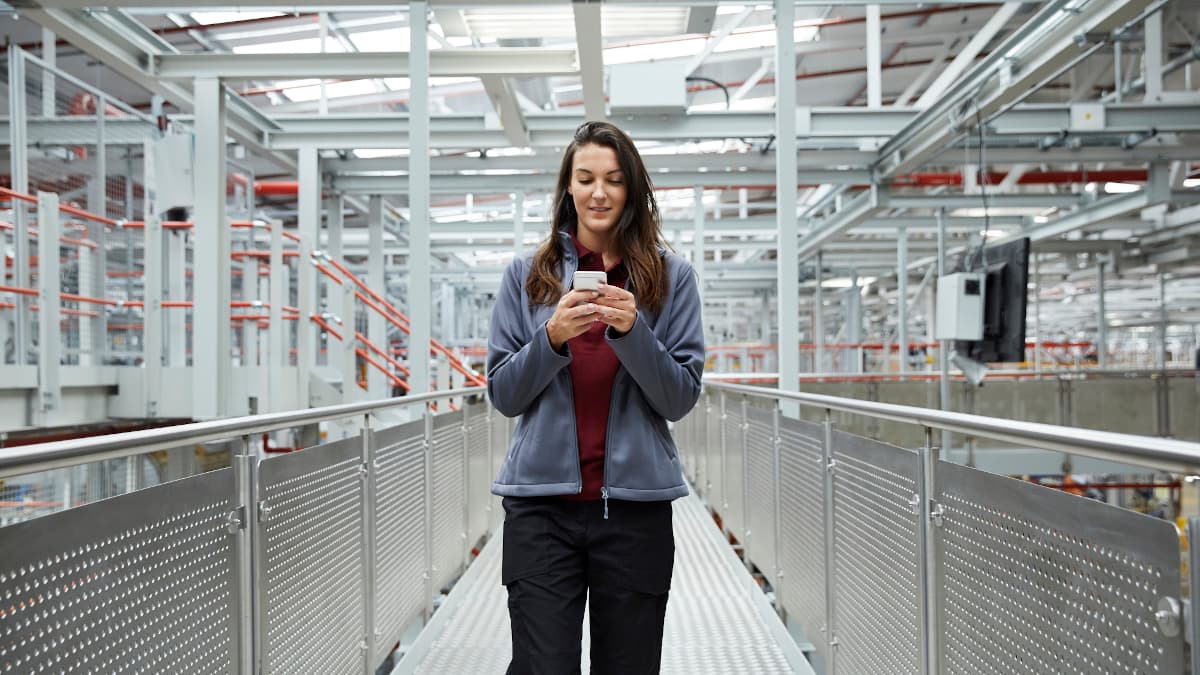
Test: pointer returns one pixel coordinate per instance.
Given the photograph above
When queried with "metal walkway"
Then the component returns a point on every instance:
(718, 620)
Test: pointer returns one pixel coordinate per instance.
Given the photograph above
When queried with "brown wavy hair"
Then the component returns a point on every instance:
(639, 229)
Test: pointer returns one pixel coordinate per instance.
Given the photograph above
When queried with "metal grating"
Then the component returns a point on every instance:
(876, 616)
(732, 490)
(712, 626)
(760, 475)
(141, 583)
(802, 526)
(1039, 581)
(448, 489)
(399, 530)
(311, 560)
(479, 474)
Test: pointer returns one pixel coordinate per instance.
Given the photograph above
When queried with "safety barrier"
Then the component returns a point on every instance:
(893, 560)
(312, 561)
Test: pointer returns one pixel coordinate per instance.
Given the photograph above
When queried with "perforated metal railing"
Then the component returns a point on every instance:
(890, 560)
(315, 561)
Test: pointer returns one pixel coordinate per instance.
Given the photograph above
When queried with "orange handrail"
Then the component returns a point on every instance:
(18, 290)
(403, 322)
(391, 376)
(320, 321)
(373, 347)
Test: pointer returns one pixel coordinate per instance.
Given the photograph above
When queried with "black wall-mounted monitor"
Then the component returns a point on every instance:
(1007, 268)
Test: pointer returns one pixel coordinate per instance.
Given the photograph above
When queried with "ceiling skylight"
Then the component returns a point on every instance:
(305, 46)
(559, 21)
(226, 17)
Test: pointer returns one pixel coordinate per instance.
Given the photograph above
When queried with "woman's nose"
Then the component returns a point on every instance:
(598, 192)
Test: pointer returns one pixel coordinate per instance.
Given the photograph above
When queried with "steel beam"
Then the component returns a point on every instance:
(820, 124)
(530, 182)
(123, 44)
(501, 62)
(969, 53)
(865, 205)
(512, 120)
(590, 42)
(1039, 48)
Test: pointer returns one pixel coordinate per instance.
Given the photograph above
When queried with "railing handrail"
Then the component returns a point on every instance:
(1148, 451)
(923, 375)
(59, 454)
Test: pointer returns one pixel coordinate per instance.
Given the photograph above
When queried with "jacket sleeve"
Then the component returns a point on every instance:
(519, 365)
(667, 371)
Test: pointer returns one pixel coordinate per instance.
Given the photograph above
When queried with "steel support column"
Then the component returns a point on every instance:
(818, 319)
(49, 389)
(277, 336)
(944, 347)
(788, 259)
(518, 223)
(902, 296)
(377, 385)
(1152, 61)
(308, 199)
(1037, 316)
(1101, 320)
(212, 269)
(874, 59)
(152, 284)
(420, 306)
(19, 161)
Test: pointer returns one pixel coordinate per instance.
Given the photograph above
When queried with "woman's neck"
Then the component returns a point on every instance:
(606, 247)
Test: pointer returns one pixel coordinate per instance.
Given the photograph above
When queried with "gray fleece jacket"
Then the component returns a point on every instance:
(661, 361)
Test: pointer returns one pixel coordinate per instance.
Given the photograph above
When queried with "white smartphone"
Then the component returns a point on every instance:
(588, 281)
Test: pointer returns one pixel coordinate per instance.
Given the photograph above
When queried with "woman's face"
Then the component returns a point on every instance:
(598, 190)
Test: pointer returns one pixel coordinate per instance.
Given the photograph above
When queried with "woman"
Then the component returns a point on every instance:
(594, 376)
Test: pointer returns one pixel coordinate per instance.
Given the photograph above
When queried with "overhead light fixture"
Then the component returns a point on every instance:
(1120, 188)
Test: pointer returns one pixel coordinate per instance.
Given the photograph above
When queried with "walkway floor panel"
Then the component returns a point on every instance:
(718, 621)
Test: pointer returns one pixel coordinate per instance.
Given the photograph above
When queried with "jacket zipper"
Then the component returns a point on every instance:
(575, 423)
(608, 432)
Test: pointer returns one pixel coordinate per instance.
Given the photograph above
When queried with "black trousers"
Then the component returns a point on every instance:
(559, 554)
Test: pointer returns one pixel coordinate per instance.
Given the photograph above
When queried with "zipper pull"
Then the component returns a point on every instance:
(604, 494)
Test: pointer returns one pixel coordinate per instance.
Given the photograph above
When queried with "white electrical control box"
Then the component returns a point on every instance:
(647, 88)
(960, 299)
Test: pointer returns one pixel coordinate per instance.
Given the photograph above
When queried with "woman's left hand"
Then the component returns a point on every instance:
(618, 307)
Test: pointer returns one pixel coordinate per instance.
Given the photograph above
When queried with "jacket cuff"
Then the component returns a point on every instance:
(628, 343)
(543, 351)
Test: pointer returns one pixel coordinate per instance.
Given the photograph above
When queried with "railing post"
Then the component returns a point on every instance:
(1193, 534)
(491, 462)
(829, 464)
(929, 516)
(427, 444)
(724, 470)
(466, 473)
(776, 448)
(244, 526)
(745, 505)
(369, 474)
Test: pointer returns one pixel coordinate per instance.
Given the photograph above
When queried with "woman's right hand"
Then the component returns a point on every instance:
(573, 316)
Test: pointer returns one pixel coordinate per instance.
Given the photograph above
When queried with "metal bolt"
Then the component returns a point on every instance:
(936, 513)
(1168, 616)
(233, 521)
(914, 504)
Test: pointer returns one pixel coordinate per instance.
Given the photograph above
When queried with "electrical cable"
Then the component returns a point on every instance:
(711, 81)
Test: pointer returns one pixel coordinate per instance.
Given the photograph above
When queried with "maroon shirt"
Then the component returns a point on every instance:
(593, 368)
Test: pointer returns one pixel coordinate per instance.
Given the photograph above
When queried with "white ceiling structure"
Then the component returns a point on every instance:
(509, 80)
